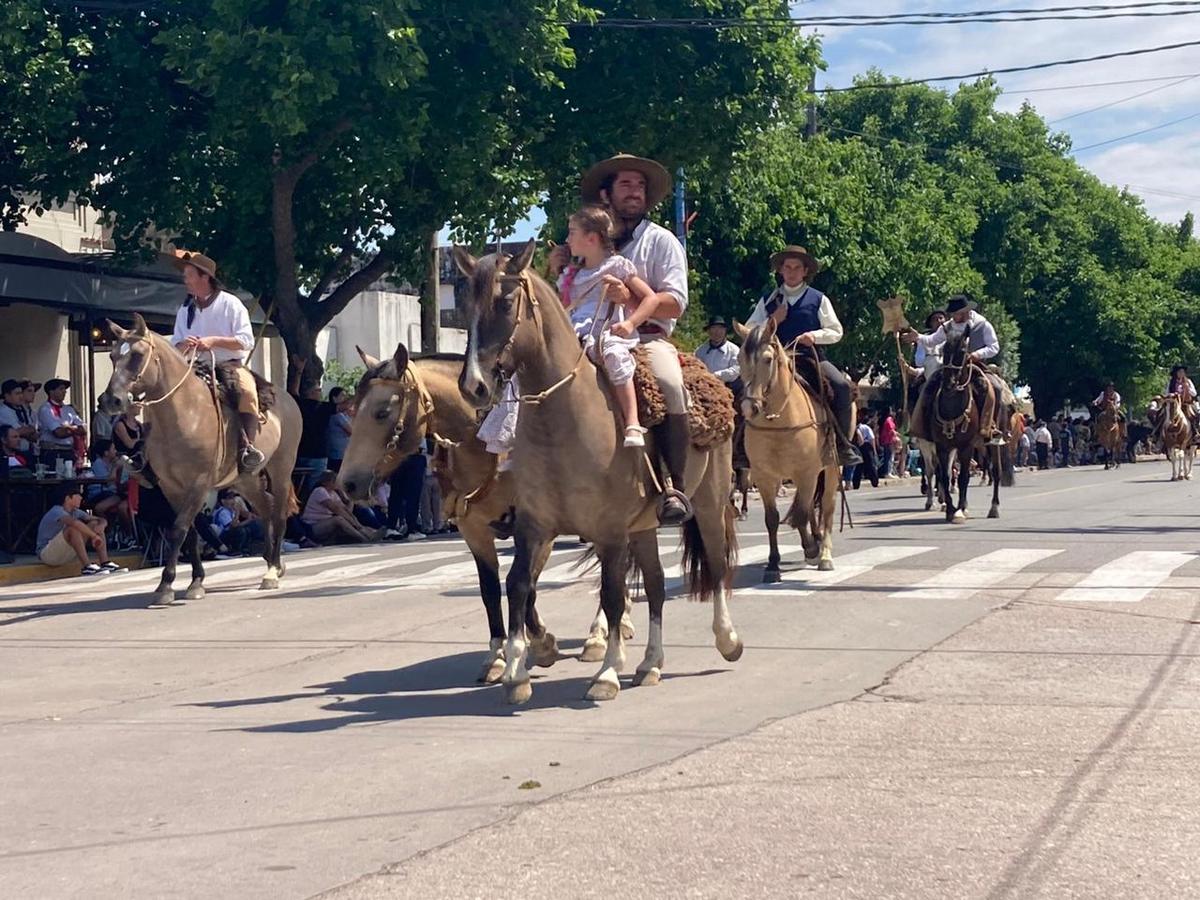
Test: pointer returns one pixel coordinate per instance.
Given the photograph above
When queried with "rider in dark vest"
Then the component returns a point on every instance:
(805, 322)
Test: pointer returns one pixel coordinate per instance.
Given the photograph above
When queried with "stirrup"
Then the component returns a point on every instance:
(250, 460)
(635, 436)
(997, 440)
(674, 508)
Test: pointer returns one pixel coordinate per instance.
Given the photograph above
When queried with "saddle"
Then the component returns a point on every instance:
(229, 390)
(710, 412)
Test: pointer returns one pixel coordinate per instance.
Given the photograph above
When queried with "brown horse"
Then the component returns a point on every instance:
(1177, 437)
(956, 424)
(788, 436)
(1108, 434)
(191, 445)
(398, 403)
(573, 476)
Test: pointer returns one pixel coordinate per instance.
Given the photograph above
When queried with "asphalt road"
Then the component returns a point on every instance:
(1001, 708)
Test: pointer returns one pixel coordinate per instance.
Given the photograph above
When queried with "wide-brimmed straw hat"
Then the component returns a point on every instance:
(959, 302)
(658, 181)
(791, 251)
(205, 264)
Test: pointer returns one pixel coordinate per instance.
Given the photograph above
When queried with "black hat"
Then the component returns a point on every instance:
(936, 312)
(55, 383)
(717, 320)
(959, 302)
(1177, 369)
(10, 385)
(26, 383)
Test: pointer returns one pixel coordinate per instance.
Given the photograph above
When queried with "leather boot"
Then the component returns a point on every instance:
(675, 508)
(847, 453)
(250, 459)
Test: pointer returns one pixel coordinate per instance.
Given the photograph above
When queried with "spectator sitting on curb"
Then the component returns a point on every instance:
(331, 518)
(238, 525)
(66, 532)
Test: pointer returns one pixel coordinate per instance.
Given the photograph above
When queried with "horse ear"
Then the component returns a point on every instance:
(465, 261)
(368, 360)
(115, 330)
(769, 328)
(740, 330)
(139, 325)
(400, 359)
(521, 261)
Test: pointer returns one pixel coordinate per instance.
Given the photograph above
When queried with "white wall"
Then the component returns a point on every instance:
(377, 321)
(33, 344)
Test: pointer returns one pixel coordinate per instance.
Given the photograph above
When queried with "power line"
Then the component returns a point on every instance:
(1161, 87)
(1029, 68)
(1092, 84)
(1134, 134)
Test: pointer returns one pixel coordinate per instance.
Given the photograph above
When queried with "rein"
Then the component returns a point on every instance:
(761, 397)
(190, 359)
(409, 383)
(527, 302)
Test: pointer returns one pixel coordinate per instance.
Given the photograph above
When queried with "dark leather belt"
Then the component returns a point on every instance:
(650, 328)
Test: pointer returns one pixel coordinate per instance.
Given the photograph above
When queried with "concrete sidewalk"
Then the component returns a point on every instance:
(1047, 750)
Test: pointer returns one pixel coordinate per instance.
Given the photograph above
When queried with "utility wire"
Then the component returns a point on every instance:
(1134, 134)
(1161, 87)
(1029, 68)
(1092, 84)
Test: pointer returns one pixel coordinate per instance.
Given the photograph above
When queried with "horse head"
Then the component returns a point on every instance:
(760, 361)
(955, 356)
(391, 413)
(131, 355)
(499, 293)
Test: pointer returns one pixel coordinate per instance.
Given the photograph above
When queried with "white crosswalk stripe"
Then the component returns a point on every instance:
(852, 565)
(1127, 579)
(973, 575)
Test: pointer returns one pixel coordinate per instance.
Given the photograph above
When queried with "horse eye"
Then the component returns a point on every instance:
(382, 414)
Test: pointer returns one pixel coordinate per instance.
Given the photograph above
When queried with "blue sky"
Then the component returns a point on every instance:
(1161, 166)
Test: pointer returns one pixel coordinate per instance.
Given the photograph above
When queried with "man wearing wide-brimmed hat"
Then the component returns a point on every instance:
(631, 186)
(214, 320)
(982, 344)
(930, 360)
(806, 322)
(720, 354)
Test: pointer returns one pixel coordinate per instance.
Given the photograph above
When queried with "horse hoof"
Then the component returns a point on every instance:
(544, 652)
(627, 629)
(732, 649)
(993, 513)
(825, 565)
(492, 672)
(604, 687)
(518, 693)
(647, 677)
(593, 650)
(268, 584)
(165, 598)
(771, 576)
(195, 593)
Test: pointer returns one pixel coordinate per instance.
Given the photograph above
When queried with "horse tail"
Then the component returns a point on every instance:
(293, 502)
(701, 579)
(1007, 470)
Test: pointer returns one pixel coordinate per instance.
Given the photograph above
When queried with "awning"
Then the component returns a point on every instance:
(33, 270)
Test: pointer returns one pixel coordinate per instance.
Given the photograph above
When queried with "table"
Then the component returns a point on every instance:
(36, 494)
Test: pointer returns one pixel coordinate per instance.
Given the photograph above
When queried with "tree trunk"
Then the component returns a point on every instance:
(300, 340)
(430, 302)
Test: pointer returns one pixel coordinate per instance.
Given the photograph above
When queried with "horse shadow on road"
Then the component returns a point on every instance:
(32, 610)
(444, 687)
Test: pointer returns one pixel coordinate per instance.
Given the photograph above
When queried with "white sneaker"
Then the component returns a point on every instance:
(290, 546)
(634, 436)
(417, 535)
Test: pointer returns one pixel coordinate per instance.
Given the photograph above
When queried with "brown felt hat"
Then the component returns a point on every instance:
(791, 251)
(658, 181)
(205, 264)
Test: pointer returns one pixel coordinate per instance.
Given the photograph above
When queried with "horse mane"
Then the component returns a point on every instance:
(957, 343)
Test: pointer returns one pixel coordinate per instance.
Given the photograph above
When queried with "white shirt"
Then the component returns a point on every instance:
(721, 361)
(226, 316)
(830, 331)
(1100, 399)
(661, 263)
(1191, 390)
(984, 343)
(587, 287)
(9, 416)
(1042, 435)
(48, 420)
(865, 434)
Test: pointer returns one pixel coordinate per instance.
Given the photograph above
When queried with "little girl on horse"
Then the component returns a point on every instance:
(608, 330)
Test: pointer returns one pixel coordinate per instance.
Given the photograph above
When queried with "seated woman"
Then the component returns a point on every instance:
(331, 518)
(237, 524)
(107, 500)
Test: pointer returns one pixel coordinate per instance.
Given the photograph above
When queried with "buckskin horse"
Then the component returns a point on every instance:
(1108, 434)
(572, 476)
(401, 401)
(788, 436)
(191, 444)
(956, 424)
